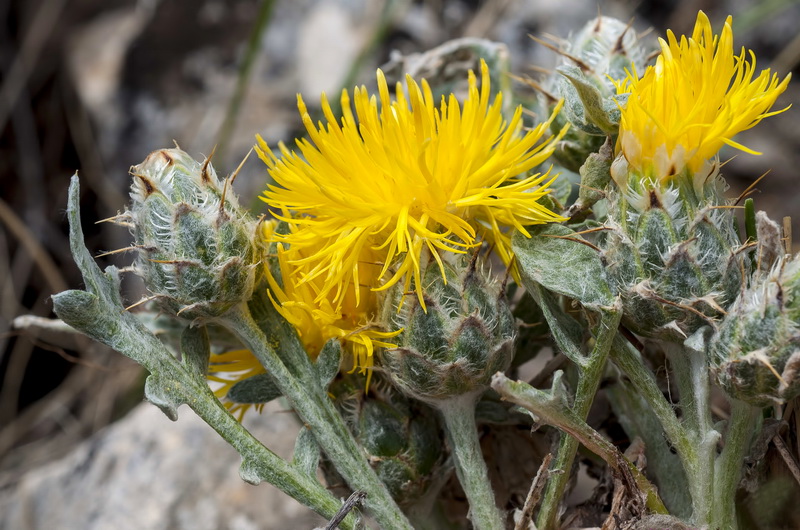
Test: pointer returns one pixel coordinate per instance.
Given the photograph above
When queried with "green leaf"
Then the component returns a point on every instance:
(166, 394)
(256, 389)
(306, 453)
(328, 362)
(592, 112)
(567, 332)
(556, 258)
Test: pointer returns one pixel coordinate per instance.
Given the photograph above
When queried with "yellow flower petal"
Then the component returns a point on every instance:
(695, 98)
(390, 180)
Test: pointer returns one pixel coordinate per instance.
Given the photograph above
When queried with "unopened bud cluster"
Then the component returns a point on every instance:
(401, 437)
(674, 259)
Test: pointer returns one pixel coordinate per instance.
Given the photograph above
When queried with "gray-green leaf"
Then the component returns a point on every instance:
(555, 258)
(256, 389)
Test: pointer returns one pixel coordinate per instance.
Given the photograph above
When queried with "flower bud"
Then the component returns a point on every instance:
(674, 258)
(197, 253)
(603, 50)
(756, 347)
(453, 344)
(401, 437)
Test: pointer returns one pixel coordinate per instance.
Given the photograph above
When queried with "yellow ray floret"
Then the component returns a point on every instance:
(400, 175)
(317, 320)
(695, 98)
(229, 368)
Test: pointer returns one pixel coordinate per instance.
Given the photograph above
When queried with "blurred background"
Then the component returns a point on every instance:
(93, 86)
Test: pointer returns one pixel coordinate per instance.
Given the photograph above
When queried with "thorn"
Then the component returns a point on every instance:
(540, 69)
(235, 173)
(577, 60)
(787, 235)
(765, 361)
(689, 308)
(618, 44)
(113, 219)
(204, 176)
(174, 141)
(651, 56)
(744, 247)
(229, 182)
(591, 230)
(749, 189)
(119, 250)
(168, 261)
(725, 207)
(534, 85)
(140, 302)
(709, 300)
(645, 33)
(576, 240)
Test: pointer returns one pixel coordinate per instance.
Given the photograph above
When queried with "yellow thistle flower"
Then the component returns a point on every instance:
(384, 184)
(698, 95)
(317, 320)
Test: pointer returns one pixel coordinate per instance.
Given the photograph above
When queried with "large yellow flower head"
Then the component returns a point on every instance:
(389, 180)
(698, 95)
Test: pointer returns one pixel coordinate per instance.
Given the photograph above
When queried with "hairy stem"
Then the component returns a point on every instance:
(690, 370)
(590, 375)
(317, 411)
(627, 359)
(742, 425)
(459, 418)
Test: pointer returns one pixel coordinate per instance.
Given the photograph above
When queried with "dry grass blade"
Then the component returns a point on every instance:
(535, 493)
(780, 445)
(28, 240)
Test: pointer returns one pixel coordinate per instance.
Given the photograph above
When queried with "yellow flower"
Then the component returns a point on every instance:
(692, 102)
(317, 320)
(384, 183)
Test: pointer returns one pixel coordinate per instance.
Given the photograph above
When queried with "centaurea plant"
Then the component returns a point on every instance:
(412, 246)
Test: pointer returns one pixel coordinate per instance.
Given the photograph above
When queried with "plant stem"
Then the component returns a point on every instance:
(742, 424)
(690, 370)
(590, 375)
(627, 358)
(459, 418)
(316, 410)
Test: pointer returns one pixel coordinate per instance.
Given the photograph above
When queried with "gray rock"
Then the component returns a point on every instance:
(145, 472)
